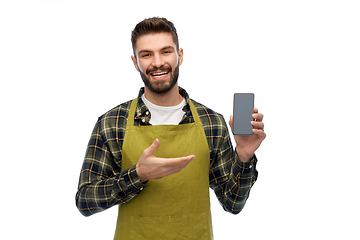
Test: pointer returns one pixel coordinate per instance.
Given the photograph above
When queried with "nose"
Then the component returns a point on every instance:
(157, 60)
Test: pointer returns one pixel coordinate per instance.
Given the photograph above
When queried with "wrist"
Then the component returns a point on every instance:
(139, 173)
(243, 156)
(131, 179)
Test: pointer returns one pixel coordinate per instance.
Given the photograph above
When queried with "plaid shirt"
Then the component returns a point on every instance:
(104, 184)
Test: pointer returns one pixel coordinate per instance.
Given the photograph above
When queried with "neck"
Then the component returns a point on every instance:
(170, 98)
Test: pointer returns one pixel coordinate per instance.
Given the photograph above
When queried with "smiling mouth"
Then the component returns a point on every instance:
(159, 75)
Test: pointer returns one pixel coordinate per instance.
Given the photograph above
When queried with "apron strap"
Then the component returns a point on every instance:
(133, 106)
(131, 115)
(194, 112)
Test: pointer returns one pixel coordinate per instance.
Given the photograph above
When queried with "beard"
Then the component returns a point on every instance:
(161, 86)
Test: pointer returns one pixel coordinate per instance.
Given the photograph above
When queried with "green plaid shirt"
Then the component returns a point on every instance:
(104, 184)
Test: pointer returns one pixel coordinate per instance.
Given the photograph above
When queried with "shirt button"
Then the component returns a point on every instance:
(143, 120)
(141, 189)
(147, 113)
(250, 166)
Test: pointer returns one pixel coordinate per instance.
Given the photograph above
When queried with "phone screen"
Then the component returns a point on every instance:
(243, 110)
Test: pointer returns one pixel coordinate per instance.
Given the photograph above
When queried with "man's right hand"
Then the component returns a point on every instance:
(150, 167)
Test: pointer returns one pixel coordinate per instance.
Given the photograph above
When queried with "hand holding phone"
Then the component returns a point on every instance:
(242, 115)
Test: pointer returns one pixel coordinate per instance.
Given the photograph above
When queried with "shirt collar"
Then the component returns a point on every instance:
(143, 114)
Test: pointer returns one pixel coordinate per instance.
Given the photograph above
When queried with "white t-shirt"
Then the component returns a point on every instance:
(165, 115)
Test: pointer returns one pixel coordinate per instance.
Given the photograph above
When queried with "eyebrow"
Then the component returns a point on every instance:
(162, 49)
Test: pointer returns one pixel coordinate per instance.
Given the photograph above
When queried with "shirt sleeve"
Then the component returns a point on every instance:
(230, 178)
(102, 184)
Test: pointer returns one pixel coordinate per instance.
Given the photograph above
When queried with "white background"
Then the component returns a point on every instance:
(64, 63)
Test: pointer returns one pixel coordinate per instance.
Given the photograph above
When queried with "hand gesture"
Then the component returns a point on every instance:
(150, 167)
(247, 145)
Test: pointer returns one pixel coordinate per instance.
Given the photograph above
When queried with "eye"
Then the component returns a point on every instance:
(166, 52)
(145, 55)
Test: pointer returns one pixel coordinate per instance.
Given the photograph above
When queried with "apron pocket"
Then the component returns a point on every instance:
(187, 226)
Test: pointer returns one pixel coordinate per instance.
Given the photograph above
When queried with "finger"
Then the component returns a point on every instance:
(174, 161)
(256, 110)
(258, 116)
(260, 133)
(190, 158)
(174, 165)
(257, 125)
(181, 160)
(184, 161)
(150, 150)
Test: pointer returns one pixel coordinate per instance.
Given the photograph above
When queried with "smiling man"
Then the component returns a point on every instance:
(157, 58)
(156, 155)
(158, 61)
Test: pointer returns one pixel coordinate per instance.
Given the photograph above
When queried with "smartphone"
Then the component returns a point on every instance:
(243, 110)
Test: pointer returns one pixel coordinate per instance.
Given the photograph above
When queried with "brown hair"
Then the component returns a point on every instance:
(154, 25)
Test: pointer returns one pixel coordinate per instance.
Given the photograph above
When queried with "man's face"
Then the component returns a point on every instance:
(158, 61)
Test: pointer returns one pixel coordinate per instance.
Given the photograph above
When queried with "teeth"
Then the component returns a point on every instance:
(160, 73)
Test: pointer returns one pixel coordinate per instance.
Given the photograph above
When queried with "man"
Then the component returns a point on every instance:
(156, 156)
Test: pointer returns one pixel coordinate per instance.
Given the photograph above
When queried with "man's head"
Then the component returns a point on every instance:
(157, 55)
(153, 25)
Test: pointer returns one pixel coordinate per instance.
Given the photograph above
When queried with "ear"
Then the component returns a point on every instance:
(181, 55)
(135, 63)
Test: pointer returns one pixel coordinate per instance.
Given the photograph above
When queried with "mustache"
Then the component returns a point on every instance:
(162, 68)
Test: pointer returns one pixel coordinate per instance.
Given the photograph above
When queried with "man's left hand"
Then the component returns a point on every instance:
(247, 145)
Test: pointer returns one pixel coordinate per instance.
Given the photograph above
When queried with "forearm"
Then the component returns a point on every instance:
(99, 194)
(234, 192)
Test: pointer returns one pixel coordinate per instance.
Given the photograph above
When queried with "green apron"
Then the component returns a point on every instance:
(173, 207)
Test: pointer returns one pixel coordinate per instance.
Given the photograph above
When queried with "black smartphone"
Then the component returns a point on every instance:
(243, 110)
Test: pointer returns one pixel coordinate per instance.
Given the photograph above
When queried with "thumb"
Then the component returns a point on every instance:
(231, 122)
(155, 145)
